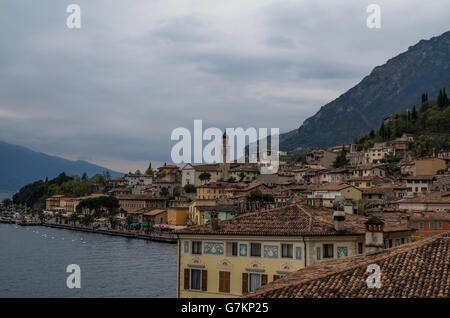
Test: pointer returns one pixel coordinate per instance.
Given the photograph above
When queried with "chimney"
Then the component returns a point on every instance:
(339, 220)
(214, 221)
(374, 235)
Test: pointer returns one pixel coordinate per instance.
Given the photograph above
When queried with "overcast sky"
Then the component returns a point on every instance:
(112, 91)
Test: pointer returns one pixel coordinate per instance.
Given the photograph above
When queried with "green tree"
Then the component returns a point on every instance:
(414, 114)
(204, 176)
(7, 202)
(257, 195)
(129, 220)
(164, 192)
(341, 160)
(189, 188)
(74, 217)
(231, 179)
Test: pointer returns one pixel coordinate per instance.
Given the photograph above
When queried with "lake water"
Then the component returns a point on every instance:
(33, 262)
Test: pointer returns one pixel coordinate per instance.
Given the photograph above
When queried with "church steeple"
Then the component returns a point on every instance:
(225, 165)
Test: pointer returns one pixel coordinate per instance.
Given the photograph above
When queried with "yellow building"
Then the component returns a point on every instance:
(324, 195)
(378, 152)
(365, 182)
(213, 191)
(177, 215)
(230, 258)
(54, 202)
(197, 216)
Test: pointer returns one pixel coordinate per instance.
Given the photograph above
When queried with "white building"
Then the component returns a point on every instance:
(133, 180)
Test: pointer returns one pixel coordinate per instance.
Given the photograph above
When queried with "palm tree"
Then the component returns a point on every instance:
(113, 220)
(88, 219)
(129, 220)
(74, 217)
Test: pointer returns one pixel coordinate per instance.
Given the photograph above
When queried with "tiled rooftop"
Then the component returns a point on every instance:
(292, 220)
(428, 198)
(420, 269)
(332, 186)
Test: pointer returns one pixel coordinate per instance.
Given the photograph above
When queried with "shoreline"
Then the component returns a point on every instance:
(156, 238)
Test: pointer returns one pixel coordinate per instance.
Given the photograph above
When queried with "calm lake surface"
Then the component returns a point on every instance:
(33, 263)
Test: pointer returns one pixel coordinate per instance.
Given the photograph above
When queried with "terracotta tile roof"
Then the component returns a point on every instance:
(418, 216)
(219, 208)
(367, 178)
(154, 212)
(138, 197)
(162, 181)
(420, 269)
(244, 169)
(208, 168)
(422, 177)
(332, 186)
(433, 197)
(217, 185)
(169, 167)
(371, 166)
(292, 220)
(374, 190)
(335, 171)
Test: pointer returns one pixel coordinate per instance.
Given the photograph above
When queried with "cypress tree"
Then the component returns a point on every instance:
(382, 131)
(440, 99)
(414, 114)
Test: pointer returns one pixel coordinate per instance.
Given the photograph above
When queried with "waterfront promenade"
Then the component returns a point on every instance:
(158, 237)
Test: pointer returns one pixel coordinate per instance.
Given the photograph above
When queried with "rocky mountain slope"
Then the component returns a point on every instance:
(392, 87)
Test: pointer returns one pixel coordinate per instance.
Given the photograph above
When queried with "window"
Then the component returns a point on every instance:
(420, 225)
(360, 248)
(287, 250)
(328, 251)
(431, 225)
(197, 248)
(224, 282)
(439, 225)
(255, 249)
(255, 282)
(196, 278)
(232, 249)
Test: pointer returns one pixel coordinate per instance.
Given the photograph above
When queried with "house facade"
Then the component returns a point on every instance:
(233, 257)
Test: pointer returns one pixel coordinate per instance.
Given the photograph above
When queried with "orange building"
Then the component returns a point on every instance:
(430, 223)
(177, 215)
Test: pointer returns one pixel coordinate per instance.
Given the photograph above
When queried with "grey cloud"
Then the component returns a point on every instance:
(120, 85)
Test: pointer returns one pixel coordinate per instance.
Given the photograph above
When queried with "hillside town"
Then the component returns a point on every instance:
(239, 230)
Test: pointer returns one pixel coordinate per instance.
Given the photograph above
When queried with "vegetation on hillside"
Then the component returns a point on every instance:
(430, 123)
(341, 160)
(34, 194)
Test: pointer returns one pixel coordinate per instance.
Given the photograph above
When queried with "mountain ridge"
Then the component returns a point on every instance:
(20, 166)
(394, 86)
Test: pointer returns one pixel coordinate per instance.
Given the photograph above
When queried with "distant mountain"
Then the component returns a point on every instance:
(392, 87)
(20, 166)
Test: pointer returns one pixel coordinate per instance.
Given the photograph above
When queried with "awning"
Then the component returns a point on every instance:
(135, 224)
